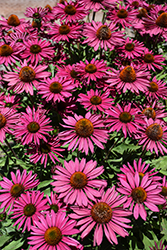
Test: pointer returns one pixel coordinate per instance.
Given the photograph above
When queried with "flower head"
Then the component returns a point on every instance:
(76, 182)
(156, 89)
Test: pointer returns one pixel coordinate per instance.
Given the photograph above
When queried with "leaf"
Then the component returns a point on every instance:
(161, 164)
(123, 147)
(14, 245)
(4, 239)
(44, 184)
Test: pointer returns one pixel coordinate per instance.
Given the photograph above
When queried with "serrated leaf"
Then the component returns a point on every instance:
(14, 245)
(123, 147)
(4, 239)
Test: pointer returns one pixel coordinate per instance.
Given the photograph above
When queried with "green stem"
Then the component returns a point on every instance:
(11, 148)
(7, 154)
(114, 144)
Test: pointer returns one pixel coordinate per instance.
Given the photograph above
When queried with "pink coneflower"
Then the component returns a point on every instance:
(8, 120)
(50, 232)
(106, 214)
(35, 13)
(70, 73)
(70, 12)
(131, 48)
(36, 50)
(94, 100)
(129, 78)
(33, 126)
(55, 89)
(125, 118)
(12, 22)
(135, 4)
(164, 187)
(55, 204)
(97, 5)
(140, 193)
(28, 208)
(122, 16)
(66, 108)
(45, 150)
(151, 61)
(92, 71)
(25, 77)
(83, 131)
(152, 135)
(65, 32)
(102, 35)
(141, 168)
(159, 246)
(157, 89)
(11, 190)
(9, 54)
(76, 182)
(10, 101)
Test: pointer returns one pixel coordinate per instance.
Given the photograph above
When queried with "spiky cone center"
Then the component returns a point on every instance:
(153, 87)
(84, 127)
(45, 148)
(96, 100)
(103, 32)
(54, 207)
(164, 191)
(135, 3)
(2, 121)
(90, 68)
(6, 50)
(78, 180)
(29, 210)
(70, 9)
(149, 113)
(125, 117)
(53, 236)
(35, 49)
(74, 74)
(142, 13)
(154, 132)
(36, 15)
(139, 194)
(162, 20)
(128, 74)
(101, 212)
(16, 190)
(129, 46)
(27, 74)
(64, 29)
(48, 7)
(13, 20)
(55, 87)
(148, 58)
(122, 13)
(33, 127)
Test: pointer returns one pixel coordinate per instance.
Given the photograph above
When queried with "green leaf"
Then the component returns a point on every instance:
(123, 147)
(4, 239)
(44, 184)
(14, 245)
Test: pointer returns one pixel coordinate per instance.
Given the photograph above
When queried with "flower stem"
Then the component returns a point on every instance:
(11, 148)
(7, 154)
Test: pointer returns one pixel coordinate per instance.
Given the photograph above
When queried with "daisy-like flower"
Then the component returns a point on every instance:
(12, 22)
(106, 214)
(97, 5)
(124, 118)
(52, 233)
(135, 4)
(76, 182)
(157, 89)
(35, 13)
(25, 77)
(8, 121)
(33, 126)
(55, 89)
(66, 108)
(153, 135)
(129, 78)
(94, 100)
(131, 48)
(140, 193)
(28, 208)
(36, 50)
(92, 71)
(55, 204)
(10, 101)
(9, 54)
(158, 246)
(139, 167)
(83, 131)
(164, 187)
(70, 12)
(102, 35)
(41, 152)
(11, 190)
(151, 61)
(70, 73)
(65, 32)
(122, 16)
